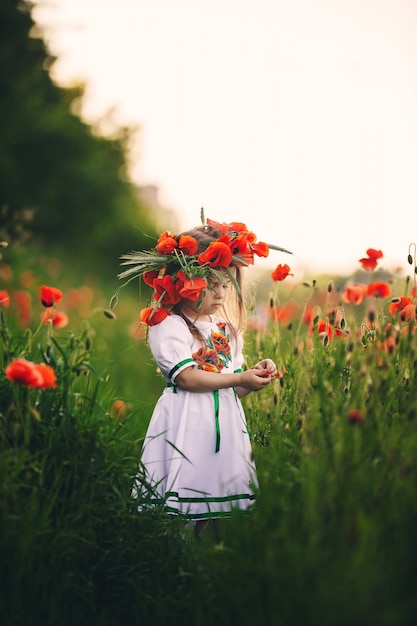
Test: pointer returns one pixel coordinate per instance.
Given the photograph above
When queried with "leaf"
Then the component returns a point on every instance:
(86, 365)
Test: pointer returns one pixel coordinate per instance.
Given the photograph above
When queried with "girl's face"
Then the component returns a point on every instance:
(214, 298)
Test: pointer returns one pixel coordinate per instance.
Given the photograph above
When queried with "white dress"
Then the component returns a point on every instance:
(197, 453)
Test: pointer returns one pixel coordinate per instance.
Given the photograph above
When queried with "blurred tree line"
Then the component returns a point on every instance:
(59, 180)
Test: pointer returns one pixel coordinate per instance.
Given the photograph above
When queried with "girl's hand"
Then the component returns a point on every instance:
(254, 379)
(268, 367)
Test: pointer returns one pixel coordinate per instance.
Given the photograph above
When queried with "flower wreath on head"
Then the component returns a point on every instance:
(175, 269)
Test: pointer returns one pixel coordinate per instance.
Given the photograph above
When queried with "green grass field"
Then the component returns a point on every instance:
(332, 538)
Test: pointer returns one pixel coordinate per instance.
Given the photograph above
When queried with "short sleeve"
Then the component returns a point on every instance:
(171, 344)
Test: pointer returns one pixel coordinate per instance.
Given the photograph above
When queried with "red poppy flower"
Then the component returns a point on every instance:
(354, 416)
(379, 290)
(4, 298)
(25, 372)
(409, 313)
(281, 272)
(192, 288)
(188, 245)
(325, 329)
(59, 319)
(150, 276)
(50, 295)
(374, 254)
(232, 227)
(22, 372)
(151, 316)
(47, 375)
(218, 254)
(166, 243)
(237, 245)
(165, 290)
(370, 262)
(260, 248)
(118, 409)
(398, 304)
(354, 294)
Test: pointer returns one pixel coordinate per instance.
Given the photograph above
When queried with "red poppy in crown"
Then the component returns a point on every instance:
(218, 254)
(181, 266)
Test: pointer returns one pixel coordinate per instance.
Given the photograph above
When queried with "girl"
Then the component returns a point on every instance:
(196, 456)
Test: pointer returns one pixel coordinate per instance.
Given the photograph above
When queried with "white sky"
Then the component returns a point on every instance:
(297, 117)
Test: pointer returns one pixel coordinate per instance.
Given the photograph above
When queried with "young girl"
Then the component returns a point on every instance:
(197, 453)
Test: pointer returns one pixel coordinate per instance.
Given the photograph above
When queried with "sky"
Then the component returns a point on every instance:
(296, 117)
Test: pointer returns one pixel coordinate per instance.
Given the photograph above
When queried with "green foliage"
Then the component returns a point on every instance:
(72, 547)
(54, 168)
(331, 539)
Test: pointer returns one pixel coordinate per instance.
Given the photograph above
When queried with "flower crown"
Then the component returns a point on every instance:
(175, 268)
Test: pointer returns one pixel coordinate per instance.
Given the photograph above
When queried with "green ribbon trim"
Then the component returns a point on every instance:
(178, 365)
(194, 499)
(208, 515)
(216, 418)
(216, 412)
(161, 502)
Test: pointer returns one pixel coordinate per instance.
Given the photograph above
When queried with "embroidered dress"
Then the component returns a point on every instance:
(197, 451)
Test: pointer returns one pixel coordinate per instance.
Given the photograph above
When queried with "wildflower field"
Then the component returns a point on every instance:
(332, 538)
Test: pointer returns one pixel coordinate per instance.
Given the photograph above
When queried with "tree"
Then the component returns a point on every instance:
(53, 163)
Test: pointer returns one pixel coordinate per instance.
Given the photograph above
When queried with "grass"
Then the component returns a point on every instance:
(331, 539)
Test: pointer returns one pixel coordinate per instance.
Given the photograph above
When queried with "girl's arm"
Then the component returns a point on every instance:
(193, 379)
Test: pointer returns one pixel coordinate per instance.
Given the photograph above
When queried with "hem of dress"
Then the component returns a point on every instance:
(176, 509)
